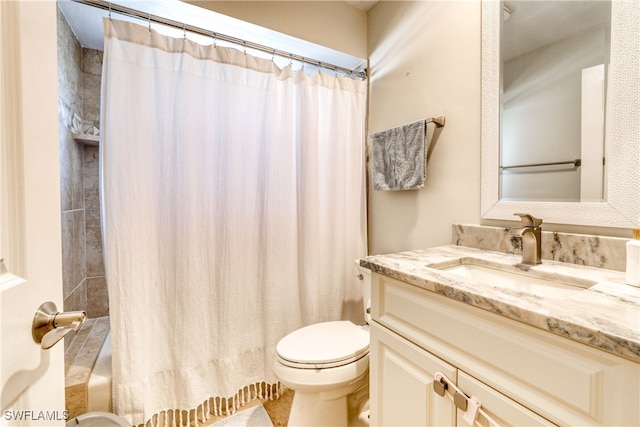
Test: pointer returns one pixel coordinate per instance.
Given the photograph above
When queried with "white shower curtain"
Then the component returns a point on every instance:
(233, 210)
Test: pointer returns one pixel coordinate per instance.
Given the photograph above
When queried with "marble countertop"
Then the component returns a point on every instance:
(603, 312)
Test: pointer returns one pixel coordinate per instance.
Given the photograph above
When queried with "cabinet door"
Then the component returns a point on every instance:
(501, 409)
(401, 389)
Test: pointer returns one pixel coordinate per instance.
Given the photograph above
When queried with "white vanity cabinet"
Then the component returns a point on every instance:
(402, 394)
(401, 383)
(522, 375)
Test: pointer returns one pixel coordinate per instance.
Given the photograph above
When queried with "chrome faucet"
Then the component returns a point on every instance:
(531, 234)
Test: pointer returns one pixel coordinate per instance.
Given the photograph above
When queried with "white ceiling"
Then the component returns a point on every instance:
(533, 24)
(86, 23)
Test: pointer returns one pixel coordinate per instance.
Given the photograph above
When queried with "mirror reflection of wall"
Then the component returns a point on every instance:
(554, 61)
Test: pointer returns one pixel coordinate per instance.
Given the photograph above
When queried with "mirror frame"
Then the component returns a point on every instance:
(622, 133)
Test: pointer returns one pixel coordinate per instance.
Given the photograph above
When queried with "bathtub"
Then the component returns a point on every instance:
(99, 386)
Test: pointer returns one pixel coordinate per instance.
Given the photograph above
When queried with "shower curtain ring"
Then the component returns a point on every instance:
(244, 44)
(184, 31)
(215, 39)
(149, 22)
(109, 11)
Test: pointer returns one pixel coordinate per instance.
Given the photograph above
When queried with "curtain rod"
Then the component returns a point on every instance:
(105, 5)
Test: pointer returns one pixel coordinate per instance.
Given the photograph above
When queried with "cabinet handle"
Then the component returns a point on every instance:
(439, 387)
(471, 405)
(460, 400)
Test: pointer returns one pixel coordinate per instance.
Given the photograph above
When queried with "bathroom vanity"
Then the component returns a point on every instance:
(554, 344)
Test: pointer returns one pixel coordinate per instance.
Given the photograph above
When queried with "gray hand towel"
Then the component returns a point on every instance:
(399, 161)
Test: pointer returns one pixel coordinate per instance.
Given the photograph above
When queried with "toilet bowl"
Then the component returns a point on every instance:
(97, 419)
(327, 366)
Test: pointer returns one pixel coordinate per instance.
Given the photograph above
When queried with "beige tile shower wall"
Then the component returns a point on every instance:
(91, 78)
(79, 73)
(97, 297)
(94, 261)
(96, 285)
(71, 159)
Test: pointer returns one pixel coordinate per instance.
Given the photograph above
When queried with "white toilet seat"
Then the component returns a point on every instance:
(324, 345)
(327, 365)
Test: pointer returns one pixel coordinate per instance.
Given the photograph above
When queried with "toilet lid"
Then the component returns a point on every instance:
(326, 344)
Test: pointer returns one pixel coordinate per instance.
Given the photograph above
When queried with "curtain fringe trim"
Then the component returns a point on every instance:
(215, 406)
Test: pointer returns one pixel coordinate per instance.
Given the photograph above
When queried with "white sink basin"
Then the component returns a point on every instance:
(533, 282)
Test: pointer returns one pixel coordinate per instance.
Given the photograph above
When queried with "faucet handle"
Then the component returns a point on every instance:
(529, 220)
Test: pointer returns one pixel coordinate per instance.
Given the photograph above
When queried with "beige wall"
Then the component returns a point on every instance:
(425, 61)
(333, 24)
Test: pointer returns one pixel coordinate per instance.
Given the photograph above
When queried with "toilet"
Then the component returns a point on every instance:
(97, 419)
(327, 366)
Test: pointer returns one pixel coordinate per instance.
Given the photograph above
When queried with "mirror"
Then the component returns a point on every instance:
(620, 205)
(553, 56)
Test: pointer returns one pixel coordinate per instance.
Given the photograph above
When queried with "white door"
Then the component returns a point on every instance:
(31, 379)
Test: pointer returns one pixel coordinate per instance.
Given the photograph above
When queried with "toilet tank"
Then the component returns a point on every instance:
(364, 275)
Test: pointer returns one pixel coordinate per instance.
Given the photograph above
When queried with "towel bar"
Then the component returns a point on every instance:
(575, 163)
(439, 121)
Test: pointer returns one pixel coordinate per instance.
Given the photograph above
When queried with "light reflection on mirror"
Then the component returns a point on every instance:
(554, 57)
